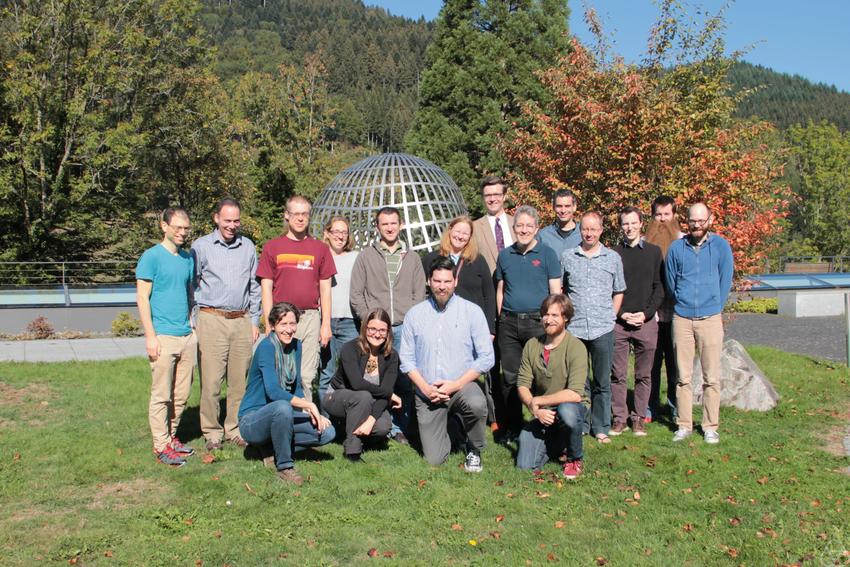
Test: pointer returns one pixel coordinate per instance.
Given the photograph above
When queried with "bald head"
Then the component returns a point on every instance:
(699, 210)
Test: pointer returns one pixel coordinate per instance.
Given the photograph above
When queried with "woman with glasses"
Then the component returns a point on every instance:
(361, 392)
(338, 238)
(274, 407)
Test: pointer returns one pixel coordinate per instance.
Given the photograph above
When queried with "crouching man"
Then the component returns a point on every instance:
(550, 383)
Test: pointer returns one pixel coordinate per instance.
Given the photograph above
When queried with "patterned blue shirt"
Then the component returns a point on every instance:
(226, 274)
(443, 345)
(590, 283)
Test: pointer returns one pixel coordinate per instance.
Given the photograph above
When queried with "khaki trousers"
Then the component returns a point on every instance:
(707, 336)
(308, 333)
(171, 383)
(224, 350)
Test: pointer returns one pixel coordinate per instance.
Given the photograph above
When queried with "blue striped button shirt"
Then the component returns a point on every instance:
(226, 275)
(443, 345)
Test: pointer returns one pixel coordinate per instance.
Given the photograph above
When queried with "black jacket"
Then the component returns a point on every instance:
(474, 283)
(349, 375)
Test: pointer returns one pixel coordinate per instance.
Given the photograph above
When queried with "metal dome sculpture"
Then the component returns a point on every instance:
(424, 194)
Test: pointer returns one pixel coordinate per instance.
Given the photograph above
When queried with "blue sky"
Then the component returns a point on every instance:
(811, 39)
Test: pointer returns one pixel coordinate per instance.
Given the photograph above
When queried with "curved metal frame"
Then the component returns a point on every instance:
(424, 194)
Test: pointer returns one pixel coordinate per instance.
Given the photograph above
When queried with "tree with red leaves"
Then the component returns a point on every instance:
(620, 134)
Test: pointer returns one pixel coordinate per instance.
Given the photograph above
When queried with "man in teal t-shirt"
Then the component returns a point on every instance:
(163, 279)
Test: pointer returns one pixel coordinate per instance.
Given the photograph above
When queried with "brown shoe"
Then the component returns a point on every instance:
(212, 445)
(639, 428)
(290, 475)
(238, 441)
(618, 428)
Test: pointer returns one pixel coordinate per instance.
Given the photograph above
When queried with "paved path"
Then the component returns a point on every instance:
(76, 349)
(822, 337)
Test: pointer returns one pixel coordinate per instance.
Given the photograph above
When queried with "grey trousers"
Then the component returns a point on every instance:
(470, 404)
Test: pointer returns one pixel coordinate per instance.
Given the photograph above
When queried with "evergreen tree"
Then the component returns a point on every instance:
(481, 67)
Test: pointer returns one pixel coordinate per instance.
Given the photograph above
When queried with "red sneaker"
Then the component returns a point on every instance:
(573, 469)
(180, 448)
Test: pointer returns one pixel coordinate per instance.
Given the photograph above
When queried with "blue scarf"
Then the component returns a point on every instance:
(284, 363)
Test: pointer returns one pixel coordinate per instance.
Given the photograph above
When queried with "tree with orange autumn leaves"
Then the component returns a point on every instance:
(620, 135)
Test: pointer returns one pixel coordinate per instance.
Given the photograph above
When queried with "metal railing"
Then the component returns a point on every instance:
(47, 274)
(818, 263)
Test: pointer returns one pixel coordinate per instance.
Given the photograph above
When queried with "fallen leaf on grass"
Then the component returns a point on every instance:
(766, 532)
(16, 457)
(499, 483)
(457, 527)
(198, 563)
(735, 521)
(509, 495)
(541, 494)
(119, 451)
(601, 561)
(217, 534)
(208, 459)
(763, 480)
(650, 462)
(637, 495)
(732, 552)
(496, 535)
(500, 518)
(108, 553)
(559, 524)
(551, 556)
(688, 527)
(214, 477)
(372, 552)
(731, 500)
(690, 471)
(815, 503)
(389, 554)
(687, 490)
(421, 484)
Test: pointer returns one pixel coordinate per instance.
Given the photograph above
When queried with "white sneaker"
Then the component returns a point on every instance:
(711, 437)
(473, 462)
(681, 435)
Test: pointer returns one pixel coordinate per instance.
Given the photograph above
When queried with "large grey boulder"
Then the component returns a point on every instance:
(742, 383)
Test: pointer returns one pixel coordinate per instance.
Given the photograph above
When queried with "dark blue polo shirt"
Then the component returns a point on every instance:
(526, 276)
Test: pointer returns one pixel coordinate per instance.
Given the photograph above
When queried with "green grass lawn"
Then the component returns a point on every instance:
(79, 485)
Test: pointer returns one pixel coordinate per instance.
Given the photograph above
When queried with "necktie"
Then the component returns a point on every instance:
(500, 237)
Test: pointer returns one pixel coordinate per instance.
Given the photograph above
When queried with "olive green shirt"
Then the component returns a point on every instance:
(567, 367)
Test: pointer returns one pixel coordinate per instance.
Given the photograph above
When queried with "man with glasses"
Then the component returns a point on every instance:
(526, 273)
(227, 317)
(698, 274)
(494, 231)
(163, 295)
(594, 282)
(297, 268)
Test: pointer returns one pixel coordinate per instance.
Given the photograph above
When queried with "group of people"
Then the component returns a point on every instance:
(382, 344)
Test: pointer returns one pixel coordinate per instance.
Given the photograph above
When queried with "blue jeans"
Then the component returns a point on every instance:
(342, 331)
(598, 385)
(403, 389)
(538, 443)
(289, 430)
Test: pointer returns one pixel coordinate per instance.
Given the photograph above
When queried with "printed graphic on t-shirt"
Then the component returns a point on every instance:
(295, 261)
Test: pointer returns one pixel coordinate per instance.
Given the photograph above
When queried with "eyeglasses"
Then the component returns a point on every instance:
(338, 232)
(376, 331)
(298, 215)
(493, 195)
(697, 222)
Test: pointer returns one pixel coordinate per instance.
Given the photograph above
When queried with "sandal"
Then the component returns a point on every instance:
(602, 438)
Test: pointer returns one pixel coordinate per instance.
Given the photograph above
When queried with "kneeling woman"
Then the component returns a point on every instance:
(550, 383)
(274, 407)
(361, 391)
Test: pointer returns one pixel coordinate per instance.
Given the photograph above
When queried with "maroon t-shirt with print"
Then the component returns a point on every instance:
(296, 267)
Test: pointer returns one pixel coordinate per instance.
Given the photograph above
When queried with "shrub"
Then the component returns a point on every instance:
(125, 325)
(40, 328)
(755, 305)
